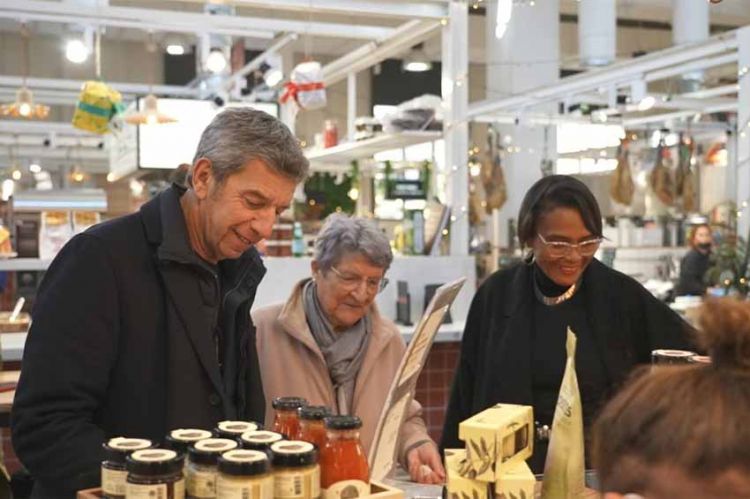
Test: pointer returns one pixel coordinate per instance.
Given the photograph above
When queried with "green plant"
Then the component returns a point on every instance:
(729, 262)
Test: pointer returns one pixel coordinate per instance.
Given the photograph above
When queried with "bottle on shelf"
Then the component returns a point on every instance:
(298, 240)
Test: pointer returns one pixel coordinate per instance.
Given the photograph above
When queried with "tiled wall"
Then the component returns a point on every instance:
(433, 387)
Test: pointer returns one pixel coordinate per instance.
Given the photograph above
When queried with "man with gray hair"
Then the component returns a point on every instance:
(142, 323)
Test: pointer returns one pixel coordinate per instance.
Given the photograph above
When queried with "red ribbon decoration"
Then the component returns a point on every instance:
(291, 90)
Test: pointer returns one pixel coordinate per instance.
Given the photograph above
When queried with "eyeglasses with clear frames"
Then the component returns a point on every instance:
(351, 282)
(561, 248)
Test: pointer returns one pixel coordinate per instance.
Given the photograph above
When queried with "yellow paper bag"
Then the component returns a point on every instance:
(97, 104)
(564, 468)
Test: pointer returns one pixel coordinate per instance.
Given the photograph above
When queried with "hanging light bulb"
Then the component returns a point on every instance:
(416, 60)
(76, 51)
(273, 77)
(24, 106)
(216, 62)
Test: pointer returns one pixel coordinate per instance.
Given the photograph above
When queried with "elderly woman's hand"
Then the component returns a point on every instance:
(425, 465)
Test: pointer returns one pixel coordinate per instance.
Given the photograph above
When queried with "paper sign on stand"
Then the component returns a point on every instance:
(383, 451)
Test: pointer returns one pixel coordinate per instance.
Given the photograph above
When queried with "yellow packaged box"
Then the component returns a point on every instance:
(457, 485)
(496, 438)
(515, 481)
(97, 103)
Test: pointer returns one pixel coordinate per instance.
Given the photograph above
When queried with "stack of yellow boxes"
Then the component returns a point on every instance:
(498, 442)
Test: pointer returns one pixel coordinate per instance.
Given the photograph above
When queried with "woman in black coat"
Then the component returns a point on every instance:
(695, 263)
(513, 347)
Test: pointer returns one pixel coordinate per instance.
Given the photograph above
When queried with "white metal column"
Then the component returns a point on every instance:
(743, 137)
(597, 32)
(690, 24)
(526, 57)
(351, 104)
(455, 90)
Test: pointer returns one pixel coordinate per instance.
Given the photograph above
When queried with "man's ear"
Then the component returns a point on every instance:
(203, 177)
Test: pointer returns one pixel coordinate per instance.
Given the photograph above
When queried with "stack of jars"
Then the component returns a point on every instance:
(310, 454)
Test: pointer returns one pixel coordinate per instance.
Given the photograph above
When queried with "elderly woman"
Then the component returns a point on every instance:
(329, 344)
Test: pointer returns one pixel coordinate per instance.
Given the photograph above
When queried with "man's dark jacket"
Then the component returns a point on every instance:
(495, 361)
(122, 344)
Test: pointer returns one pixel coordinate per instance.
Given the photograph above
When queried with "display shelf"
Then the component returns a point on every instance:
(361, 149)
(447, 332)
(20, 264)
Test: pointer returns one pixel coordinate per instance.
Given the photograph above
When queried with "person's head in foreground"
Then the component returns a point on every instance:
(681, 431)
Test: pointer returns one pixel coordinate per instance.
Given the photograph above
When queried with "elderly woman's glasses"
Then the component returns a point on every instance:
(559, 249)
(350, 282)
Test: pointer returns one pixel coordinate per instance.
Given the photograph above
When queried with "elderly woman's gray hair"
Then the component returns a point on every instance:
(240, 134)
(342, 235)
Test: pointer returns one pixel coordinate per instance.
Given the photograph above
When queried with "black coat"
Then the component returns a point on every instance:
(122, 344)
(693, 268)
(495, 361)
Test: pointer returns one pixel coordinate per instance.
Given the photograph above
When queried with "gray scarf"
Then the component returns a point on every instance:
(343, 351)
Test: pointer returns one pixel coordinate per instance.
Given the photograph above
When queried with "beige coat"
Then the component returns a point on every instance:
(291, 364)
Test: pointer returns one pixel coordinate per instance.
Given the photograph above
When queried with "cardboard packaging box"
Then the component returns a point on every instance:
(515, 481)
(457, 485)
(497, 439)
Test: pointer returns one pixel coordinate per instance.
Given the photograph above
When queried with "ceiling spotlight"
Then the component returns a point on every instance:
(16, 174)
(216, 62)
(76, 51)
(416, 61)
(176, 44)
(176, 49)
(647, 103)
(273, 77)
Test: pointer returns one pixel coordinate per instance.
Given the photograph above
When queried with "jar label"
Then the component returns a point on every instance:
(179, 488)
(113, 482)
(201, 483)
(347, 489)
(237, 488)
(297, 484)
(135, 491)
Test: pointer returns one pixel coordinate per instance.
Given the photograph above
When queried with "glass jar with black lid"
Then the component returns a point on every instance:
(114, 466)
(201, 467)
(295, 470)
(311, 426)
(234, 429)
(155, 473)
(286, 418)
(260, 440)
(244, 474)
(181, 439)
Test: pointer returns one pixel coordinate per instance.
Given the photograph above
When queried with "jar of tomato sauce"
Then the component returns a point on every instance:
(311, 425)
(286, 419)
(344, 471)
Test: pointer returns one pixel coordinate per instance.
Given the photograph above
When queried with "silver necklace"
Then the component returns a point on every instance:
(556, 300)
